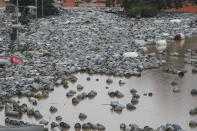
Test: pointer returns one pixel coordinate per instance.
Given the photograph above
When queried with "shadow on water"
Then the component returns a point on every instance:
(163, 107)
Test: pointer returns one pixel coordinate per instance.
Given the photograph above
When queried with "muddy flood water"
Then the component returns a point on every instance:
(163, 107)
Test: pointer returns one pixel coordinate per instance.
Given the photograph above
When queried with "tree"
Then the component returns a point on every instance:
(169, 3)
(178, 3)
(143, 8)
(160, 4)
(110, 3)
(107, 3)
(148, 8)
(195, 1)
(48, 9)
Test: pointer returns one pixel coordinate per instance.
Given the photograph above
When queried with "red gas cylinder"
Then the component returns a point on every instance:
(137, 19)
(191, 25)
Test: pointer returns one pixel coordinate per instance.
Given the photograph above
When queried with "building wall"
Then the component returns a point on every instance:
(67, 3)
(188, 7)
(2, 3)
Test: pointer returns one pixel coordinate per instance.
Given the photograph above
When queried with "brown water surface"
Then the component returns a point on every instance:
(163, 107)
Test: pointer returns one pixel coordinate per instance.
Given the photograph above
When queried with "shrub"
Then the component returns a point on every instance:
(149, 11)
(142, 10)
(135, 11)
(49, 8)
(195, 1)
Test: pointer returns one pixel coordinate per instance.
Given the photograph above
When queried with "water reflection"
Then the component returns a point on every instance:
(165, 106)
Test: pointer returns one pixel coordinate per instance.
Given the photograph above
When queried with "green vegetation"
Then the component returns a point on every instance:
(142, 10)
(195, 1)
(110, 3)
(149, 8)
(49, 8)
